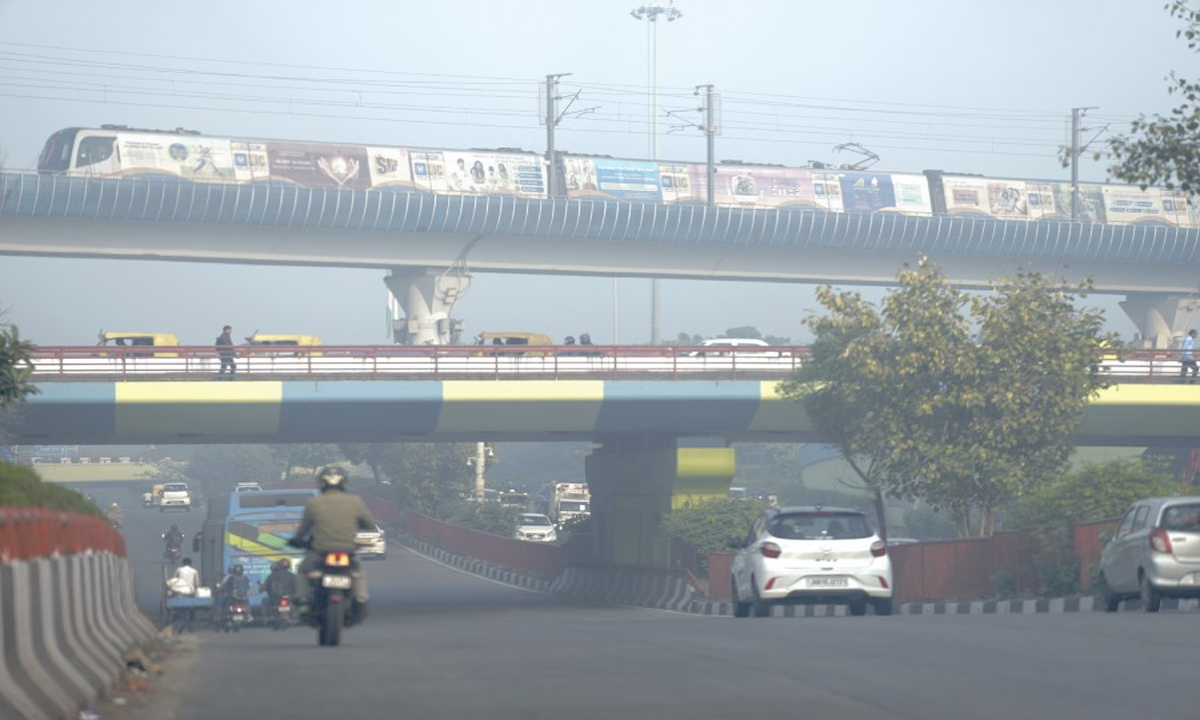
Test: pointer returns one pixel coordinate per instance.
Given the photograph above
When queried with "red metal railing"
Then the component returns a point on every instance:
(633, 362)
(29, 533)
(401, 362)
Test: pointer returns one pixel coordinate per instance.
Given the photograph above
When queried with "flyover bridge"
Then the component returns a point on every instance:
(427, 241)
(663, 419)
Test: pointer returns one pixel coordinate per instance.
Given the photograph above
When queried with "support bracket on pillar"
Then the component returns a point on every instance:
(1161, 318)
(427, 298)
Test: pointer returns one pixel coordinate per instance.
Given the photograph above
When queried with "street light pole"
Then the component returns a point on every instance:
(650, 13)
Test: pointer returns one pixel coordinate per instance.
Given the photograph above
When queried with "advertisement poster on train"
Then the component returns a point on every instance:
(983, 196)
(676, 184)
(762, 186)
(827, 191)
(634, 180)
(193, 158)
(250, 161)
(1090, 208)
(314, 165)
(875, 192)
(1127, 205)
(389, 167)
(1039, 198)
(479, 172)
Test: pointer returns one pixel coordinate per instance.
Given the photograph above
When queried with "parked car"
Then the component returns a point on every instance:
(1154, 553)
(535, 527)
(372, 543)
(811, 555)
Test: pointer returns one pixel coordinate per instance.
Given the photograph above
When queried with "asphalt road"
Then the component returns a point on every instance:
(442, 644)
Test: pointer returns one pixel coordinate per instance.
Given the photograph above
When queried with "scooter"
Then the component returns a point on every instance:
(237, 615)
(171, 554)
(282, 614)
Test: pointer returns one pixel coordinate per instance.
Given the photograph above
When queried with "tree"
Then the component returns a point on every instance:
(219, 468)
(713, 525)
(428, 476)
(1094, 492)
(16, 367)
(1165, 150)
(924, 409)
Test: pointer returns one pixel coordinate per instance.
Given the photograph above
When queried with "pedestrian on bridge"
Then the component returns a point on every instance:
(1187, 356)
(225, 352)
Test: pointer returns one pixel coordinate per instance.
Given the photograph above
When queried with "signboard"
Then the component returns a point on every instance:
(479, 172)
(885, 192)
(635, 180)
(389, 167)
(312, 165)
(190, 157)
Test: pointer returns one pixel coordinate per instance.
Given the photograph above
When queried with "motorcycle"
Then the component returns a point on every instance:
(332, 595)
(171, 554)
(237, 615)
(281, 614)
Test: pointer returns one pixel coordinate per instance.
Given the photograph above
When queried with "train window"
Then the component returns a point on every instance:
(93, 150)
(56, 155)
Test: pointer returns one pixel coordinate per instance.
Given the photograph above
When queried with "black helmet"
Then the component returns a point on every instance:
(238, 570)
(331, 477)
(585, 339)
(284, 564)
(569, 341)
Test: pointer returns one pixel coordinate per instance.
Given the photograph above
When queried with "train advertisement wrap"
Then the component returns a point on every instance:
(115, 151)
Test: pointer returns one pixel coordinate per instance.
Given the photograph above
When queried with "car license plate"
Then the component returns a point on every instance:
(827, 582)
(337, 582)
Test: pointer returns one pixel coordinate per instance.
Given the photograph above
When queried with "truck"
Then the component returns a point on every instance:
(569, 501)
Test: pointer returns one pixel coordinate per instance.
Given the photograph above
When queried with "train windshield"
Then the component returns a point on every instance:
(56, 155)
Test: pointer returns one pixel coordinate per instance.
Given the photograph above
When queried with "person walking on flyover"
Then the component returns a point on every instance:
(1187, 356)
(225, 351)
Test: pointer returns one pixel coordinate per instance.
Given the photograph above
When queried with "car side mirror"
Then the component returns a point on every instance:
(1106, 536)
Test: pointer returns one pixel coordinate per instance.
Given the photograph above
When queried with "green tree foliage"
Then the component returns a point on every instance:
(21, 487)
(1165, 150)
(1094, 492)
(219, 468)
(924, 409)
(488, 517)
(428, 476)
(16, 367)
(715, 525)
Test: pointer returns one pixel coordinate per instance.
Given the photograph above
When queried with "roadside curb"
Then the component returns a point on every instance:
(1084, 603)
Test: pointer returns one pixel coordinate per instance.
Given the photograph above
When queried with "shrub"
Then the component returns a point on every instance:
(21, 487)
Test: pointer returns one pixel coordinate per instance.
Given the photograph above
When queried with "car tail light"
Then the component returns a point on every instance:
(1160, 541)
(770, 550)
(337, 559)
(879, 548)
(770, 584)
(284, 602)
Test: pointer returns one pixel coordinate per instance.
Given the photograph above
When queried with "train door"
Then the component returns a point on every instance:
(97, 156)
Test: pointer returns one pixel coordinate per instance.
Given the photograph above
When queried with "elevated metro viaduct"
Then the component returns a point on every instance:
(428, 241)
(660, 444)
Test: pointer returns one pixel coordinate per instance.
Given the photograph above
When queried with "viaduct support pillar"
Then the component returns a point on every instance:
(635, 485)
(427, 298)
(1160, 318)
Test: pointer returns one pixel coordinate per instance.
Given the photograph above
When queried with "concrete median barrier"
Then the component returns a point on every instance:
(67, 613)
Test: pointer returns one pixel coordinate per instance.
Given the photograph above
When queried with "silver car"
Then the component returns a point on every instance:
(814, 555)
(1154, 553)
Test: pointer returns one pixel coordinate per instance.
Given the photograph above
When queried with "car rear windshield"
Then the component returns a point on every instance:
(175, 487)
(812, 525)
(1182, 518)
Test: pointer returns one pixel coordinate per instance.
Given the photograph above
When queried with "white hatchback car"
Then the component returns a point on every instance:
(812, 555)
(535, 527)
(372, 543)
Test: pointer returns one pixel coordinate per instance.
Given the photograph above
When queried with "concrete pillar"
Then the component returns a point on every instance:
(427, 298)
(1161, 318)
(634, 486)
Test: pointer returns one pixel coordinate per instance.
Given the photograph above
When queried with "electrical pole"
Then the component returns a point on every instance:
(552, 119)
(1075, 115)
(710, 131)
(480, 463)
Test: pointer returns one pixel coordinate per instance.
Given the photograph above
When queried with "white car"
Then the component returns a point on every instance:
(811, 555)
(247, 487)
(175, 496)
(535, 527)
(372, 543)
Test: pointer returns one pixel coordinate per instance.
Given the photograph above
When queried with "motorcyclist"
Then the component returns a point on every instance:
(173, 537)
(330, 523)
(234, 586)
(279, 584)
(115, 514)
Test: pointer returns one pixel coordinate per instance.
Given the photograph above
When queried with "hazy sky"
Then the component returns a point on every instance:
(961, 86)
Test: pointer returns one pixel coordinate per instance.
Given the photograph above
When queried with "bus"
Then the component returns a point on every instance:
(250, 529)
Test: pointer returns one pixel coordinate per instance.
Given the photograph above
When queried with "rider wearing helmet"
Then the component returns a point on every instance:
(173, 537)
(279, 584)
(235, 586)
(331, 522)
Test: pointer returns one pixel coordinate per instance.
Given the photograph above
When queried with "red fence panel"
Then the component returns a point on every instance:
(1085, 537)
(547, 558)
(28, 533)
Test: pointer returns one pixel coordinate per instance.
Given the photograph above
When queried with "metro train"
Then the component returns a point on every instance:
(186, 155)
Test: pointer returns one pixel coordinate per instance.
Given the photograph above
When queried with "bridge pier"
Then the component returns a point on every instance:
(1161, 317)
(427, 298)
(634, 485)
